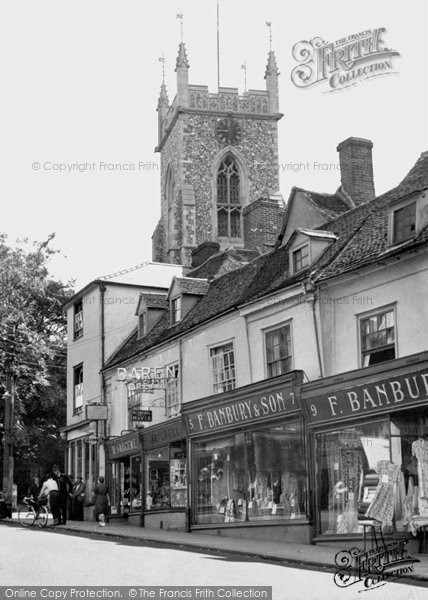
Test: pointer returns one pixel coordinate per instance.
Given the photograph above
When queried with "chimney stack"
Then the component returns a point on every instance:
(356, 166)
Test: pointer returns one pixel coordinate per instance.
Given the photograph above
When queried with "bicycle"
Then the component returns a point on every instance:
(32, 513)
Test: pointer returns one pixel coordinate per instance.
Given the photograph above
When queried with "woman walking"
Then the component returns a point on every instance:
(101, 501)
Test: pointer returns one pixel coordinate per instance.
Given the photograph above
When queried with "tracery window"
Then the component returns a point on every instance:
(229, 209)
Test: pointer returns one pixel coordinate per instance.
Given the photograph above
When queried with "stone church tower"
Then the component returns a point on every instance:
(219, 166)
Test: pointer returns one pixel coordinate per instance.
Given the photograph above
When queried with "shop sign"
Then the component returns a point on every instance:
(142, 415)
(164, 435)
(124, 447)
(379, 396)
(254, 407)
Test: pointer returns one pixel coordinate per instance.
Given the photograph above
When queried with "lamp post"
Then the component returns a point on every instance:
(8, 398)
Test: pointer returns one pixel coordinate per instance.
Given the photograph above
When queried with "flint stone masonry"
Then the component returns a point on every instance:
(192, 150)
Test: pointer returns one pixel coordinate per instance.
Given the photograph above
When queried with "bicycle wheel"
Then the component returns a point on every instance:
(42, 519)
(27, 516)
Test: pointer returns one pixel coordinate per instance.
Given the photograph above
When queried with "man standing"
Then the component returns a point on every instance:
(64, 492)
(79, 496)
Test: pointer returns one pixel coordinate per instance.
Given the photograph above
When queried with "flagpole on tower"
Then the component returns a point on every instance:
(244, 68)
(269, 24)
(180, 16)
(218, 43)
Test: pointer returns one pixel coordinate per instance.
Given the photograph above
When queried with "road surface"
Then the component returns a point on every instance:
(34, 557)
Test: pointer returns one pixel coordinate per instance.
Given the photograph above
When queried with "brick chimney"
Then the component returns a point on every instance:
(356, 166)
(262, 223)
(203, 252)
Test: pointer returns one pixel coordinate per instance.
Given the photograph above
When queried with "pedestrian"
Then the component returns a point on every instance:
(101, 501)
(34, 487)
(50, 492)
(65, 492)
(79, 490)
(70, 501)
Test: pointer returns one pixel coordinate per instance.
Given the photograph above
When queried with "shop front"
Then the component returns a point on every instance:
(247, 459)
(165, 475)
(368, 432)
(125, 477)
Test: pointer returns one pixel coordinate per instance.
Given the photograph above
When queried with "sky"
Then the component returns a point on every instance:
(80, 87)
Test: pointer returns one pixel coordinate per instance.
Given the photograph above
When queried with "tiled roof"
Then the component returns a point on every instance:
(364, 231)
(158, 301)
(331, 205)
(222, 262)
(192, 285)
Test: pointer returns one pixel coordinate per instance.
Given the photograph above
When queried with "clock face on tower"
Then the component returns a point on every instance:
(228, 131)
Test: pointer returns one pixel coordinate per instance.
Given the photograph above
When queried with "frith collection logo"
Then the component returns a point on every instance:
(342, 63)
(375, 567)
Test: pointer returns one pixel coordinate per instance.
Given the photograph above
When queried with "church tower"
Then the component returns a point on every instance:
(219, 166)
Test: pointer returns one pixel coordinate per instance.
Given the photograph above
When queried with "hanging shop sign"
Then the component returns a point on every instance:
(252, 406)
(130, 444)
(383, 395)
(143, 416)
(163, 434)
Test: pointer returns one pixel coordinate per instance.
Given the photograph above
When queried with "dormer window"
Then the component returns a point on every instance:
(142, 324)
(301, 258)
(78, 320)
(404, 226)
(175, 310)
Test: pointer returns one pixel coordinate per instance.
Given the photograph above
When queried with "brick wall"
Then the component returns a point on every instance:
(262, 223)
(356, 166)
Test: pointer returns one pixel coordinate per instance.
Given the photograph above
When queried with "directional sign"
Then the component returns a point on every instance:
(142, 415)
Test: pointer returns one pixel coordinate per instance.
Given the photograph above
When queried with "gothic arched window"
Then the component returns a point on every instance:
(229, 209)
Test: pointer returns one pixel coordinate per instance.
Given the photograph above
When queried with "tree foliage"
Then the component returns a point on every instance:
(33, 345)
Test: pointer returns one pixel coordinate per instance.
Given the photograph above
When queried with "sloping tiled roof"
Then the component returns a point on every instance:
(331, 205)
(158, 301)
(192, 285)
(222, 262)
(364, 231)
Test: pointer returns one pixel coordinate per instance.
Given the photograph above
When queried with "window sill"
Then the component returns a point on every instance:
(239, 524)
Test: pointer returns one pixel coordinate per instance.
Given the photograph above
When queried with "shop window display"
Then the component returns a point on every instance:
(126, 488)
(166, 484)
(251, 476)
(377, 470)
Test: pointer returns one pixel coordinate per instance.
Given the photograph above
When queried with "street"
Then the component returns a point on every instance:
(32, 557)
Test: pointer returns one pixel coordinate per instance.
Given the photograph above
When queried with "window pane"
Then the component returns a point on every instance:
(278, 351)
(252, 476)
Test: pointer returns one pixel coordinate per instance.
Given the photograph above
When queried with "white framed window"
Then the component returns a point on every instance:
(175, 310)
(278, 349)
(223, 368)
(78, 320)
(404, 223)
(142, 324)
(378, 336)
(172, 392)
(78, 389)
(300, 258)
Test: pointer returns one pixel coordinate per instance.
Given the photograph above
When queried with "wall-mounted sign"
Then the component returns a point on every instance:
(158, 374)
(253, 406)
(143, 416)
(96, 412)
(163, 434)
(129, 444)
(383, 395)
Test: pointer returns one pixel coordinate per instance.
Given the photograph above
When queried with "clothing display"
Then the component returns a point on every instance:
(382, 506)
(420, 451)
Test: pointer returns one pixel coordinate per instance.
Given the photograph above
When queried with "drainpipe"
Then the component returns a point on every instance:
(314, 289)
(101, 425)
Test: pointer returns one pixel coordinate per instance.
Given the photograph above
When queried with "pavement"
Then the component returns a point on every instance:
(320, 557)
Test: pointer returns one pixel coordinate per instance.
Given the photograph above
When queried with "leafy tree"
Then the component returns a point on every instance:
(32, 343)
